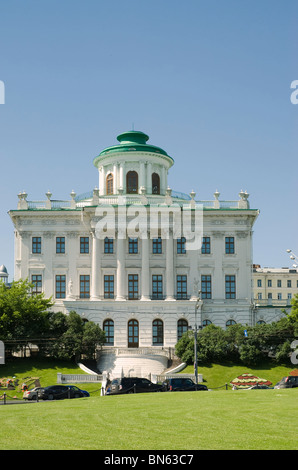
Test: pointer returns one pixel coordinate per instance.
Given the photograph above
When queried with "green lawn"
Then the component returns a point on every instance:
(250, 419)
(217, 419)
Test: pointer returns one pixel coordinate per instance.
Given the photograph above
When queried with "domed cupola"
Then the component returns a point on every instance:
(3, 274)
(133, 166)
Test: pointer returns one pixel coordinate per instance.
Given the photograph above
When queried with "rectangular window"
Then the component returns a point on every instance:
(278, 282)
(181, 286)
(36, 244)
(289, 283)
(133, 246)
(230, 245)
(84, 244)
(259, 282)
(109, 245)
(60, 286)
(206, 286)
(260, 296)
(60, 244)
(156, 286)
(230, 287)
(181, 246)
(108, 286)
(36, 279)
(289, 296)
(269, 295)
(84, 286)
(206, 246)
(133, 286)
(157, 245)
(279, 296)
(269, 283)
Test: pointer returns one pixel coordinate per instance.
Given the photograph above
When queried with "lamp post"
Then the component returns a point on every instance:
(293, 256)
(198, 306)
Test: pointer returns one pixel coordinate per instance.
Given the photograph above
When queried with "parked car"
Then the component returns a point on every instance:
(58, 392)
(132, 385)
(183, 384)
(31, 394)
(290, 381)
(73, 387)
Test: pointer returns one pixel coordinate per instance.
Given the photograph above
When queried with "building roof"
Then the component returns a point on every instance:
(132, 141)
(3, 271)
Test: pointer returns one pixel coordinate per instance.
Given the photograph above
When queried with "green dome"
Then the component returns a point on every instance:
(131, 141)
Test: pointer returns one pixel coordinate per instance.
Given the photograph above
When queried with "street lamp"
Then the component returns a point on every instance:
(198, 306)
(293, 256)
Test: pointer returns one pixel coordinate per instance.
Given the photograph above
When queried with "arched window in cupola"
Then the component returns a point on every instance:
(155, 183)
(109, 184)
(132, 183)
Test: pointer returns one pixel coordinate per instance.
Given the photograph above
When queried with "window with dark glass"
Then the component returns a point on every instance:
(206, 323)
(206, 246)
(155, 183)
(60, 244)
(108, 286)
(133, 245)
(108, 328)
(36, 244)
(157, 245)
(133, 286)
(84, 244)
(109, 184)
(156, 286)
(181, 286)
(132, 184)
(157, 333)
(60, 286)
(36, 280)
(230, 245)
(109, 245)
(181, 245)
(230, 287)
(133, 334)
(206, 286)
(182, 327)
(84, 286)
(230, 322)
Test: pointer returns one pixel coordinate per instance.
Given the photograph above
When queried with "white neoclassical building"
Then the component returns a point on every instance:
(134, 255)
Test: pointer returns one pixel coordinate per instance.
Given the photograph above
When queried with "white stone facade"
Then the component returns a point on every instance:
(144, 292)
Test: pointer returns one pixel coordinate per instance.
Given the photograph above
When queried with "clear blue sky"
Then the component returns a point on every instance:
(209, 81)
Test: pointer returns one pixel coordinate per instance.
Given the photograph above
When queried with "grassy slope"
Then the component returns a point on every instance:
(258, 419)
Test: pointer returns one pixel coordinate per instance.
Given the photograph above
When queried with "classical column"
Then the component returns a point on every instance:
(95, 267)
(122, 181)
(145, 268)
(115, 179)
(142, 175)
(169, 266)
(120, 268)
(149, 178)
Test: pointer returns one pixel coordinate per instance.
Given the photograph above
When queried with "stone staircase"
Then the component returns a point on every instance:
(138, 362)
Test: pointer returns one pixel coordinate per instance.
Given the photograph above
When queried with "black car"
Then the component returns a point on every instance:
(291, 381)
(58, 392)
(132, 385)
(183, 384)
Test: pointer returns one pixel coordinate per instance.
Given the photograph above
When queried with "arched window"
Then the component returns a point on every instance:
(133, 334)
(132, 185)
(206, 323)
(155, 183)
(108, 328)
(157, 333)
(109, 184)
(230, 322)
(182, 327)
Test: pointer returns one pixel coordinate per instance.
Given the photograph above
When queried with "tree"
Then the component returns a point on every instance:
(23, 315)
